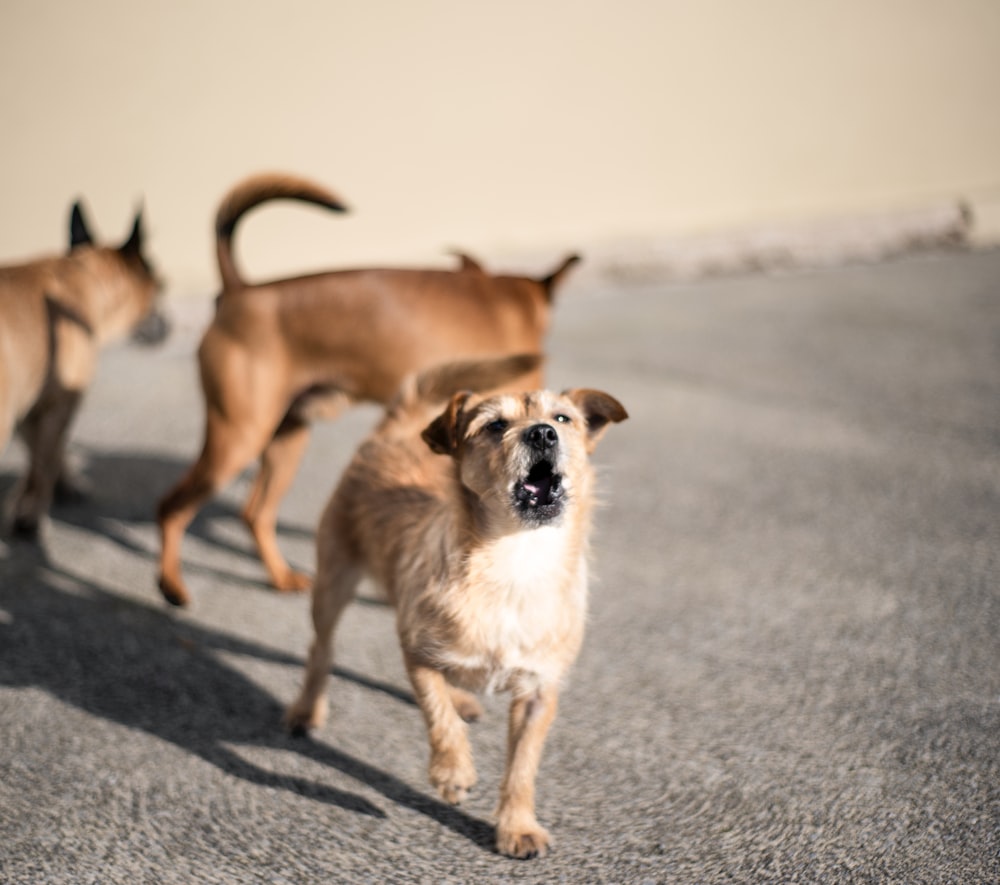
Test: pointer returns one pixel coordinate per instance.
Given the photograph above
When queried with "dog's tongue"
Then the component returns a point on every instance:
(539, 485)
(539, 488)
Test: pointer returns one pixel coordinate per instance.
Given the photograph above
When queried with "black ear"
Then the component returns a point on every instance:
(467, 262)
(133, 245)
(552, 281)
(79, 233)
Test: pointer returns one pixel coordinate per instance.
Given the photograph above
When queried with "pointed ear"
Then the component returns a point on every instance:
(467, 262)
(442, 434)
(133, 245)
(599, 408)
(79, 232)
(552, 281)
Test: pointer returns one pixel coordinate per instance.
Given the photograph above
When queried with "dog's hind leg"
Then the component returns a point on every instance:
(44, 432)
(278, 465)
(336, 580)
(518, 831)
(226, 451)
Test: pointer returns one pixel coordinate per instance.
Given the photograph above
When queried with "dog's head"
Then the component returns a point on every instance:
(525, 456)
(132, 287)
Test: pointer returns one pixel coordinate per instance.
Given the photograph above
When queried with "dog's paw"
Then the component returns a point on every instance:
(523, 843)
(454, 793)
(293, 582)
(454, 776)
(298, 726)
(302, 718)
(26, 527)
(71, 489)
(173, 591)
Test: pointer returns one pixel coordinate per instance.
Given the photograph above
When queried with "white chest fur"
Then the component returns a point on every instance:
(518, 614)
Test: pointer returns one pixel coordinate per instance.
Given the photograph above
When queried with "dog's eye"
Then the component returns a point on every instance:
(562, 419)
(498, 426)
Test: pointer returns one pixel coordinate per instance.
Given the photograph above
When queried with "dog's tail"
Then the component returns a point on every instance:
(252, 192)
(440, 382)
(552, 281)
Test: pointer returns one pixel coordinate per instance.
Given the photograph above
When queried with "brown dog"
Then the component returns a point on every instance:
(279, 354)
(483, 555)
(55, 314)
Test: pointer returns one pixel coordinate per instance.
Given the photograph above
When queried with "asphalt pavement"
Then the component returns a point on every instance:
(792, 666)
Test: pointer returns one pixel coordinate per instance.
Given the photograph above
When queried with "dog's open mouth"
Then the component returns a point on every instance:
(539, 496)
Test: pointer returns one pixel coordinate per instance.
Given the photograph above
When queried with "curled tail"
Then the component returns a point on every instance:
(252, 192)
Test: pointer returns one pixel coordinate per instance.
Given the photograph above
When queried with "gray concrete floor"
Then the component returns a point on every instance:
(792, 669)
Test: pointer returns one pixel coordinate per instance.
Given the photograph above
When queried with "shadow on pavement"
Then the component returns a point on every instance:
(141, 667)
(117, 487)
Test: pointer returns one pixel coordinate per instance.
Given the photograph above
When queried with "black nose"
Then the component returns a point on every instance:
(541, 437)
(153, 329)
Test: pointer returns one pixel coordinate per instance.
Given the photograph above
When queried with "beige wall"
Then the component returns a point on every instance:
(496, 126)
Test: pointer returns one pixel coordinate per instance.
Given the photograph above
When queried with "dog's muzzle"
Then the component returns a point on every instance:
(539, 496)
(152, 329)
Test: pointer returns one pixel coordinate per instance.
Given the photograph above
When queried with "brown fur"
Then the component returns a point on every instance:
(280, 354)
(55, 315)
(483, 554)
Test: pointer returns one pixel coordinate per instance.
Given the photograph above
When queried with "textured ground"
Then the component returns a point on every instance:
(792, 669)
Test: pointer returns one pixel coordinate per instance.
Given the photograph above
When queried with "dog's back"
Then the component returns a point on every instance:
(362, 331)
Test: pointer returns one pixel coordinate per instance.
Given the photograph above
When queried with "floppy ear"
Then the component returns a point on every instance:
(442, 433)
(79, 233)
(133, 245)
(599, 408)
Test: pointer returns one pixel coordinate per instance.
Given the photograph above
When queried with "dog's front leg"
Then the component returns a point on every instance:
(451, 768)
(518, 832)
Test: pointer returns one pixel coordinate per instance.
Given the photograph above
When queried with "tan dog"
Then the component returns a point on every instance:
(55, 314)
(483, 555)
(280, 354)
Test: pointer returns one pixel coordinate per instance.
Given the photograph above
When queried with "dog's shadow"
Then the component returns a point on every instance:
(139, 666)
(123, 488)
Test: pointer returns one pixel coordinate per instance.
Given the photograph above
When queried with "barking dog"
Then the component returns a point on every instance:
(478, 534)
(55, 314)
(280, 354)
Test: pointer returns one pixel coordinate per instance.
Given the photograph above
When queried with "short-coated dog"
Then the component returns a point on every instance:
(280, 354)
(56, 312)
(474, 519)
